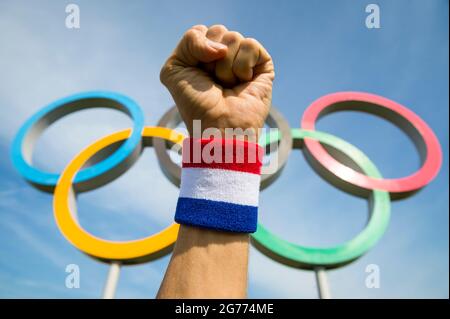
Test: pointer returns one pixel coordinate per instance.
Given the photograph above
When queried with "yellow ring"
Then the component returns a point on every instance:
(134, 251)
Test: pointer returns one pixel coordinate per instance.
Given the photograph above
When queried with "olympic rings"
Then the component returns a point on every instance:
(172, 118)
(332, 257)
(64, 206)
(90, 177)
(114, 154)
(421, 134)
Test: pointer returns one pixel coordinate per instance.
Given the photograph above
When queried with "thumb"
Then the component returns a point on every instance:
(195, 47)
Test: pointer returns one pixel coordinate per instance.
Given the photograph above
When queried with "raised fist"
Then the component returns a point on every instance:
(221, 78)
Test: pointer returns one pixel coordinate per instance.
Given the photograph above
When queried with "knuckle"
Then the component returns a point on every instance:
(270, 66)
(163, 74)
(190, 34)
(232, 37)
(217, 28)
(199, 27)
(250, 43)
(166, 72)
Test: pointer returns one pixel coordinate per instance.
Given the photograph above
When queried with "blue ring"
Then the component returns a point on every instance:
(64, 105)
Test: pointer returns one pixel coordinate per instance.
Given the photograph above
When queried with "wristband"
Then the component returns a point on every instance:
(220, 184)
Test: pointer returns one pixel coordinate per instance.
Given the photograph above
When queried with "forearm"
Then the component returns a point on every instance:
(217, 209)
(207, 264)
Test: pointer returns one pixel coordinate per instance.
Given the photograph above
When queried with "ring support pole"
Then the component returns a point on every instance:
(322, 283)
(111, 281)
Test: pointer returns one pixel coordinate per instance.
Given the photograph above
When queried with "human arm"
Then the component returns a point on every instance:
(224, 80)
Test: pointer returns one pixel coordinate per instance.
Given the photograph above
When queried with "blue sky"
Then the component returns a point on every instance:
(318, 47)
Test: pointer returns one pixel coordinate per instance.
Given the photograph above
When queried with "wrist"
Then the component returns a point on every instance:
(220, 184)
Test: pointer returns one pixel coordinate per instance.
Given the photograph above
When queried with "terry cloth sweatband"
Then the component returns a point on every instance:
(220, 184)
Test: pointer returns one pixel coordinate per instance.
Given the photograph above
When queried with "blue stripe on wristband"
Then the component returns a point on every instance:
(216, 215)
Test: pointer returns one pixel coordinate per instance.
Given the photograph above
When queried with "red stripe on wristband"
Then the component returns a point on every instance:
(228, 154)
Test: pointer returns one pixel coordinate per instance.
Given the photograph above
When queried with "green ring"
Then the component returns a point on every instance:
(310, 257)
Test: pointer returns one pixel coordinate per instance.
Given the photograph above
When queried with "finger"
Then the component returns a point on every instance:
(263, 72)
(264, 63)
(246, 59)
(214, 33)
(194, 47)
(224, 67)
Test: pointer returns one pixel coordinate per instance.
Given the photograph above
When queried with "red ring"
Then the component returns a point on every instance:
(419, 179)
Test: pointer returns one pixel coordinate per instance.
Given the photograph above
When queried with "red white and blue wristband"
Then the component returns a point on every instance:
(220, 184)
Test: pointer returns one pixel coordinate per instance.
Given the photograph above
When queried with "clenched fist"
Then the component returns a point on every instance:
(221, 78)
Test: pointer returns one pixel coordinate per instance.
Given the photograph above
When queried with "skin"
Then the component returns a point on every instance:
(225, 80)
